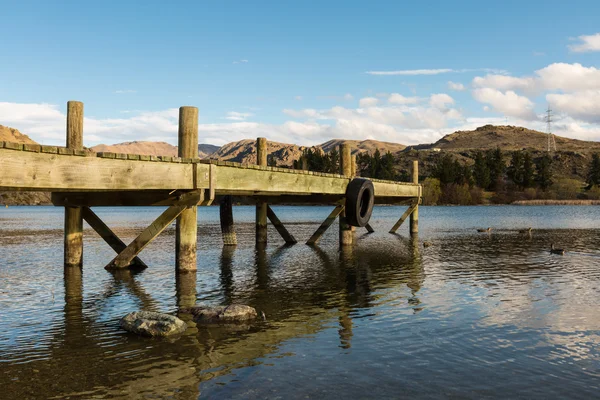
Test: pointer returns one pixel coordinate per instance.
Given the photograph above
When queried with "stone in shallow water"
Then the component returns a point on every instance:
(149, 323)
(234, 313)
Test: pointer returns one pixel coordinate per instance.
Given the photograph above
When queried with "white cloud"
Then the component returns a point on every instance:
(583, 105)
(240, 62)
(299, 98)
(438, 71)
(396, 98)
(509, 103)
(368, 102)
(557, 76)
(125, 91)
(441, 101)
(412, 72)
(587, 43)
(346, 97)
(459, 87)
(238, 116)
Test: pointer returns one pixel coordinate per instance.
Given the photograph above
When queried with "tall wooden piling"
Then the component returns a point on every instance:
(414, 216)
(73, 236)
(346, 231)
(227, 226)
(187, 222)
(261, 206)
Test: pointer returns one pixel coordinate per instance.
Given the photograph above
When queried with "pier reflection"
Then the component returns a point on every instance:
(97, 359)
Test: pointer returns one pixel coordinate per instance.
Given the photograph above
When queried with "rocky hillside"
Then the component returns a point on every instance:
(139, 147)
(12, 135)
(368, 146)
(507, 138)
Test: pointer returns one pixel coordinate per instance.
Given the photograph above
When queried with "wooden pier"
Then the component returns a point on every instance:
(80, 180)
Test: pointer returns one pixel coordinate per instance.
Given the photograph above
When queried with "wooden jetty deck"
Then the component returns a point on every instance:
(79, 180)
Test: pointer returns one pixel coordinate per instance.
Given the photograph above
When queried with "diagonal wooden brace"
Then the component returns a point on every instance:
(325, 225)
(408, 211)
(280, 227)
(369, 228)
(108, 235)
(124, 258)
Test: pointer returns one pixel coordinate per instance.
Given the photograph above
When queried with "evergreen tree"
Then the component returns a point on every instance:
(271, 161)
(594, 172)
(528, 171)
(481, 171)
(387, 167)
(495, 162)
(445, 169)
(515, 169)
(544, 173)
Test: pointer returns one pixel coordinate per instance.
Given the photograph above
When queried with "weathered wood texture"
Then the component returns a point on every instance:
(261, 205)
(124, 258)
(227, 224)
(108, 235)
(75, 125)
(326, 224)
(73, 231)
(25, 170)
(186, 227)
(414, 216)
(408, 212)
(280, 227)
(369, 228)
(346, 231)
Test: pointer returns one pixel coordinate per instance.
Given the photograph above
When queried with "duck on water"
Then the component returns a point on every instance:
(555, 250)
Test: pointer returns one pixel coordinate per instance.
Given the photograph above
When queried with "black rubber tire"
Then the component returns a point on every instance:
(360, 197)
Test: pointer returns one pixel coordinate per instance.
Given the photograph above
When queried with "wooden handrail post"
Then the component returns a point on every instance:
(73, 236)
(346, 231)
(414, 216)
(186, 235)
(261, 205)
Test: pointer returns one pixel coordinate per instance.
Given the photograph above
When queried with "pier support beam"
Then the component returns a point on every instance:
(414, 216)
(325, 225)
(346, 231)
(73, 237)
(186, 235)
(227, 226)
(287, 236)
(261, 206)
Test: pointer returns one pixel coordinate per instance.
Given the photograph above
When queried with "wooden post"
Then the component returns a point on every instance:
(353, 170)
(304, 163)
(325, 225)
(261, 206)
(73, 237)
(288, 237)
(346, 231)
(414, 216)
(186, 234)
(227, 226)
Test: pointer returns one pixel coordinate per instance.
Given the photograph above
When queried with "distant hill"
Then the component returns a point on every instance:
(244, 151)
(507, 138)
(368, 146)
(139, 147)
(206, 150)
(13, 135)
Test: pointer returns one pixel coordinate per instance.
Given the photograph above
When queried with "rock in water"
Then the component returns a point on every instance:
(149, 323)
(234, 313)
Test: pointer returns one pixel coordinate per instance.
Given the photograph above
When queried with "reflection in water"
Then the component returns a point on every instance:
(372, 320)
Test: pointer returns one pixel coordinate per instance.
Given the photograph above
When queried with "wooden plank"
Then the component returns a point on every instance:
(108, 235)
(130, 198)
(408, 211)
(325, 225)
(280, 227)
(53, 172)
(165, 219)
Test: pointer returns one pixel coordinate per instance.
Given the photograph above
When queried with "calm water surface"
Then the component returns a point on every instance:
(473, 316)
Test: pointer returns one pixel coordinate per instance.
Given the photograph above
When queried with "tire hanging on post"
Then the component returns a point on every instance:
(360, 198)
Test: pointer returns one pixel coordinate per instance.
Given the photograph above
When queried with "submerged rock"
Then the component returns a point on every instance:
(235, 313)
(150, 323)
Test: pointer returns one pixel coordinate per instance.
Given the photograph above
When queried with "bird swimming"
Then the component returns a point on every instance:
(554, 250)
(484, 229)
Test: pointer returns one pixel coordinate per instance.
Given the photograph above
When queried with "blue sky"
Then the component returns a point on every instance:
(299, 72)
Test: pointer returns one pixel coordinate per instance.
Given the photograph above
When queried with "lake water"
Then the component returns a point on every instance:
(475, 315)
